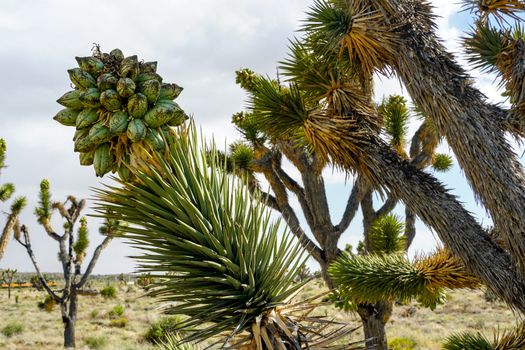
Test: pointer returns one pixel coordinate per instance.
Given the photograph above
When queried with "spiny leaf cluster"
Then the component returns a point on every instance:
(223, 262)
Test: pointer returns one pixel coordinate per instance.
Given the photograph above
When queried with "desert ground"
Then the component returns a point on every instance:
(411, 327)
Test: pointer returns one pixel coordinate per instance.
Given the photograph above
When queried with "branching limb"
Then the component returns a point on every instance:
(293, 186)
(388, 206)
(410, 227)
(94, 260)
(352, 205)
(27, 245)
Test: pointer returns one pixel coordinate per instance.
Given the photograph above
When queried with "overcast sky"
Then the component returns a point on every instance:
(198, 44)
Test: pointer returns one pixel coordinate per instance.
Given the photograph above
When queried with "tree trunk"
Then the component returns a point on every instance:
(374, 318)
(69, 319)
(472, 127)
(69, 333)
(430, 201)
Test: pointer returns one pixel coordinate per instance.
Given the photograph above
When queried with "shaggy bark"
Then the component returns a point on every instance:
(472, 127)
(430, 201)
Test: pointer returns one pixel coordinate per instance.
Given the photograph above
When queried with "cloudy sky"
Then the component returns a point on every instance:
(198, 44)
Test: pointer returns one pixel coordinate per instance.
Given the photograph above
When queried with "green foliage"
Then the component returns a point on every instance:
(109, 292)
(442, 162)
(48, 304)
(278, 111)
(227, 262)
(173, 342)
(395, 114)
(160, 330)
(120, 322)
(342, 301)
(247, 79)
(483, 46)
(386, 235)
(12, 328)
(467, 341)
(401, 344)
(3, 149)
(327, 24)
(112, 227)
(376, 278)
(82, 241)
(117, 311)
(18, 205)
(95, 342)
(241, 155)
(43, 211)
(432, 298)
(37, 284)
(94, 313)
(6, 191)
(145, 281)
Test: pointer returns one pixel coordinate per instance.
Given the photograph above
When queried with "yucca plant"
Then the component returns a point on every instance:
(513, 339)
(222, 261)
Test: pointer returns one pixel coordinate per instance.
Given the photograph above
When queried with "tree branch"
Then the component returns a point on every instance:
(290, 217)
(352, 205)
(27, 245)
(94, 259)
(387, 207)
(410, 227)
(293, 186)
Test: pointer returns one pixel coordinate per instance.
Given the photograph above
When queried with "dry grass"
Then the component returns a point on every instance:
(466, 310)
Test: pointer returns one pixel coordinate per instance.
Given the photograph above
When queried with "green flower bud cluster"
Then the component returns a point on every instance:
(120, 108)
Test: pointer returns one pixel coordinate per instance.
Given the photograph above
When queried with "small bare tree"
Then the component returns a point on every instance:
(72, 252)
(7, 277)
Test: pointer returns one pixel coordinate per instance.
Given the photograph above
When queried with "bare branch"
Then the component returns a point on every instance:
(410, 227)
(50, 231)
(290, 217)
(27, 245)
(358, 191)
(293, 186)
(387, 207)
(94, 259)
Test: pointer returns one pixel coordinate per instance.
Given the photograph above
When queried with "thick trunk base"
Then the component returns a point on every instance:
(374, 318)
(69, 334)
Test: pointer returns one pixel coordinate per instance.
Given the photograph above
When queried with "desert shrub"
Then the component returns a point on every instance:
(94, 314)
(109, 292)
(96, 342)
(48, 304)
(401, 344)
(12, 328)
(119, 322)
(116, 312)
(145, 281)
(37, 284)
(160, 330)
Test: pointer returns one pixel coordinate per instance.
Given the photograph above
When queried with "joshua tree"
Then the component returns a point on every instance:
(72, 252)
(359, 37)
(230, 270)
(262, 154)
(6, 191)
(8, 276)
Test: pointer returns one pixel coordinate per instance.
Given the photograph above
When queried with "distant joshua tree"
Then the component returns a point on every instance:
(72, 252)
(7, 277)
(6, 192)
